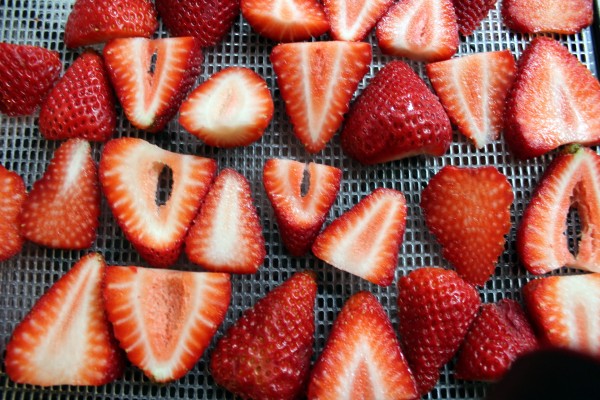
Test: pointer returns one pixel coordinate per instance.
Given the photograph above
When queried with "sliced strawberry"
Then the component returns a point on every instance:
(300, 217)
(473, 90)
(82, 103)
(352, 20)
(362, 358)
(564, 17)
(499, 335)
(129, 172)
(164, 320)
(93, 21)
(66, 339)
(468, 211)
(266, 353)
(12, 197)
(227, 234)
(365, 240)
(63, 207)
(423, 30)
(317, 81)
(395, 117)
(554, 100)
(232, 108)
(27, 73)
(572, 178)
(435, 309)
(470, 13)
(151, 92)
(566, 311)
(286, 20)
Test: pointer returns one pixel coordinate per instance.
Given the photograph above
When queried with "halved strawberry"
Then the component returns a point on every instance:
(27, 73)
(423, 30)
(152, 91)
(362, 358)
(470, 13)
(300, 217)
(12, 195)
(129, 172)
(317, 81)
(473, 90)
(93, 21)
(573, 178)
(352, 20)
(365, 240)
(232, 108)
(82, 103)
(227, 234)
(66, 339)
(566, 311)
(266, 353)
(164, 320)
(63, 207)
(468, 211)
(557, 16)
(286, 20)
(554, 100)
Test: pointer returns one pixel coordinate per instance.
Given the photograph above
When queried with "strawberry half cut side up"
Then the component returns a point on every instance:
(66, 339)
(352, 20)
(365, 240)
(130, 169)
(164, 320)
(266, 353)
(573, 178)
(362, 358)
(557, 16)
(12, 196)
(152, 77)
(63, 208)
(555, 100)
(227, 234)
(317, 81)
(300, 217)
(470, 13)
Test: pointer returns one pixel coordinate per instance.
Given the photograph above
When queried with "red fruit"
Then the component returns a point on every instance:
(93, 21)
(300, 217)
(554, 100)
(473, 90)
(164, 320)
(129, 172)
(468, 211)
(66, 339)
(435, 309)
(533, 16)
(317, 81)
(27, 73)
(564, 309)
(362, 358)
(12, 196)
(572, 178)
(227, 234)
(470, 13)
(498, 336)
(286, 20)
(395, 117)
(63, 207)
(352, 20)
(151, 92)
(365, 240)
(81, 104)
(266, 353)
(232, 108)
(206, 20)
(423, 30)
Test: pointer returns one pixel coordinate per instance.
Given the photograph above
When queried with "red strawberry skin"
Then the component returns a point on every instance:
(435, 309)
(534, 16)
(12, 197)
(92, 21)
(266, 353)
(470, 13)
(395, 117)
(81, 104)
(27, 73)
(499, 335)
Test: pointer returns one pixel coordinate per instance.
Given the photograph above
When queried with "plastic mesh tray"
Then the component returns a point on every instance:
(24, 278)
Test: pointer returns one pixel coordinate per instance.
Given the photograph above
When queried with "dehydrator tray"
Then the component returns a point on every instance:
(24, 278)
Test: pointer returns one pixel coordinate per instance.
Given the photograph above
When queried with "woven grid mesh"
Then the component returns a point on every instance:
(24, 278)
